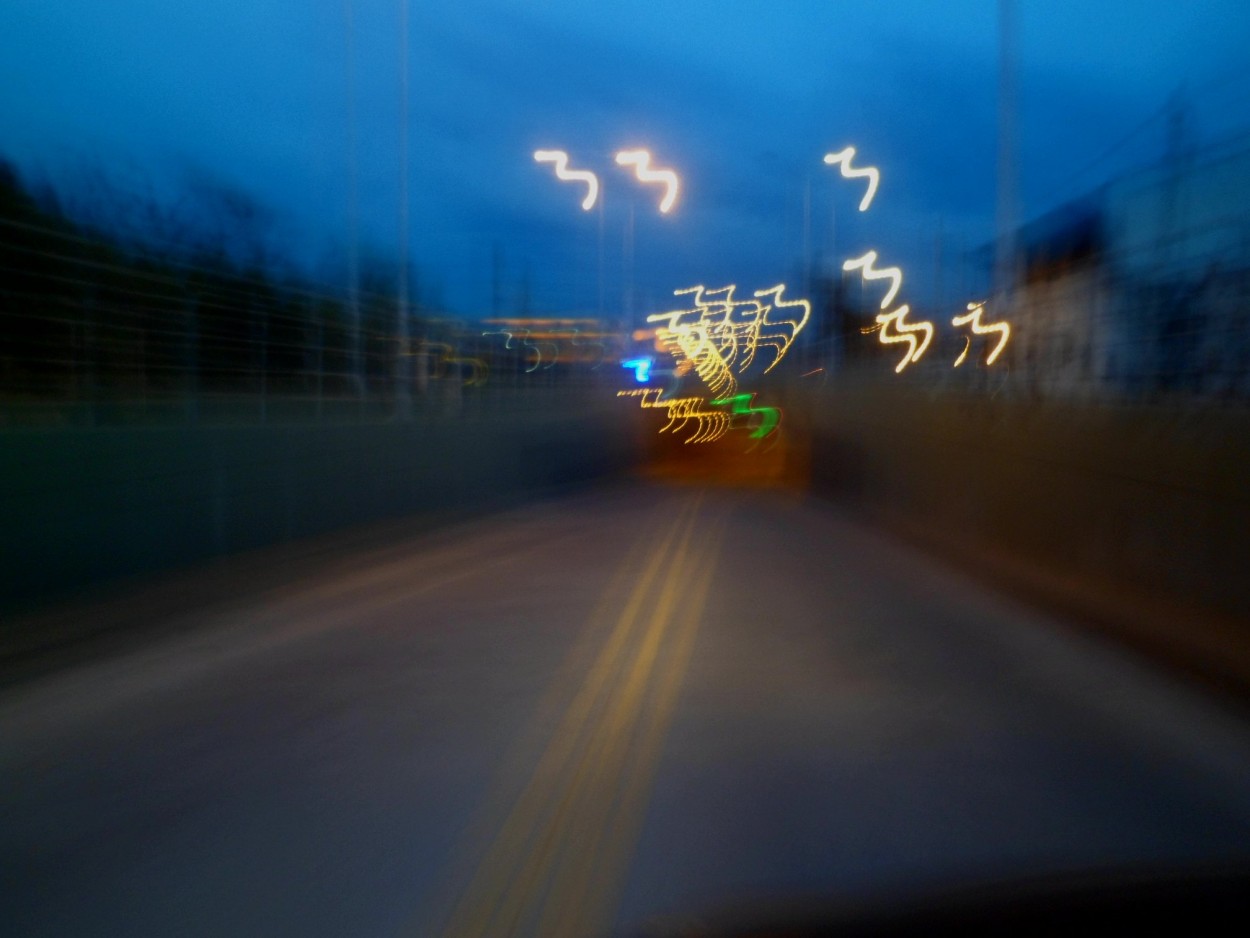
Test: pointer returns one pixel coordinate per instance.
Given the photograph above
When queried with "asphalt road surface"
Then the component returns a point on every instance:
(624, 709)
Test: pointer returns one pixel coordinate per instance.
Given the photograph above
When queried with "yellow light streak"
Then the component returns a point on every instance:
(561, 159)
(866, 265)
(721, 334)
(641, 161)
(709, 424)
(779, 340)
(904, 334)
(964, 354)
(973, 318)
(844, 157)
(718, 337)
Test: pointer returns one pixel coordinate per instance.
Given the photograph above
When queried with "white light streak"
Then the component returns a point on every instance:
(904, 334)
(781, 342)
(641, 161)
(844, 157)
(867, 266)
(973, 318)
(561, 159)
(964, 354)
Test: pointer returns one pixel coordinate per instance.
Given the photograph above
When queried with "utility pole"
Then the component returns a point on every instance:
(496, 278)
(403, 357)
(601, 260)
(354, 371)
(807, 238)
(1176, 158)
(1007, 213)
(627, 249)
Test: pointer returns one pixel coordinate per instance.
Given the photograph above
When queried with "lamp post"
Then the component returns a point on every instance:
(640, 161)
(561, 160)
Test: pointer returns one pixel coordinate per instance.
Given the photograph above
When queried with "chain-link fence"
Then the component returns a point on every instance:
(92, 334)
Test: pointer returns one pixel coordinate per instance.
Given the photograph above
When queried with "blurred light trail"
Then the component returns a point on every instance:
(844, 157)
(866, 265)
(741, 406)
(561, 159)
(779, 340)
(642, 368)
(869, 271)
(507, 342)
(524, 335)
(574, 340)
(448, 355)
(641, 161)
(904, 334)
(551, 340)
(729, 329)
(964, 354)
(709, 424)
(973, 318)
(716, 337)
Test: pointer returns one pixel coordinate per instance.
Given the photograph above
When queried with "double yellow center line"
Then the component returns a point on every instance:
(558, 862)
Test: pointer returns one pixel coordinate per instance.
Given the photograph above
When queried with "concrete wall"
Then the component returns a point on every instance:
(1138, 517)
(83, 506)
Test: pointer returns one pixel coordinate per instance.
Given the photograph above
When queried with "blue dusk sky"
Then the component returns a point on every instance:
(282, 101)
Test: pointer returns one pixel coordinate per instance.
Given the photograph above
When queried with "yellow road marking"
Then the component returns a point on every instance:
(519, 892)
(572, 834)
(492, 887)
(517, 763)
(595, 893)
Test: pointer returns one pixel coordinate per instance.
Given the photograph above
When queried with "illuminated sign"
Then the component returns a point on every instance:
(642, 368)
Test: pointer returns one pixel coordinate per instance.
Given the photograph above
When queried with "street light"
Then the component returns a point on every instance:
(844, 157)
(561, 159)
(641, 161)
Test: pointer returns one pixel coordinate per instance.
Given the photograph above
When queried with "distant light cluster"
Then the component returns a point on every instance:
(719, 337)
(709, 424)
